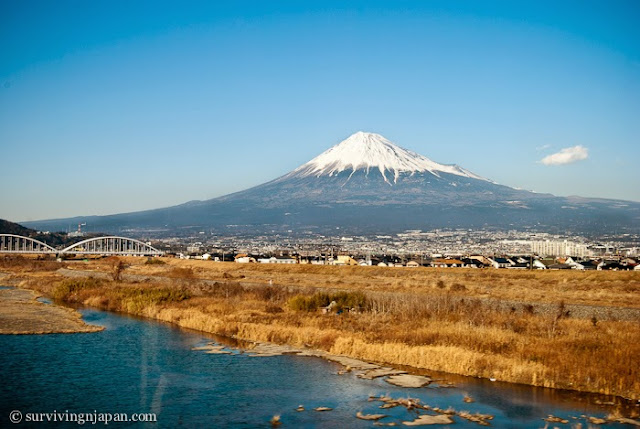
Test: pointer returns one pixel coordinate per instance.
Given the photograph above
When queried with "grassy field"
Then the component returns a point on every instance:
(439, 319)
(579, 287)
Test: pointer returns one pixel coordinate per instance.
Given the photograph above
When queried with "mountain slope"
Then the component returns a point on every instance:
(52, 238)
(7, 227)
(368, 184)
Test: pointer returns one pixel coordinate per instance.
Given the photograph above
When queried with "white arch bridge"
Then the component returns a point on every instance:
(110, 245)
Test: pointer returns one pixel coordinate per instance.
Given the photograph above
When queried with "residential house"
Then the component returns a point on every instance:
(589, 265)
(501, 262)
(243, 258)
(616, 266)
(481, 259)
(557, 266)
(547, 261)
(537, 265)
(472, 263)
(447, 263)
(345, 260)
(519, 266)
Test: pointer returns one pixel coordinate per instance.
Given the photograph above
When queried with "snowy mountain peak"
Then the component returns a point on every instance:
(370, 151)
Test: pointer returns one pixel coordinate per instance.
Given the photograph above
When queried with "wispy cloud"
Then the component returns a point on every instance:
(543, 147)
(567, 155)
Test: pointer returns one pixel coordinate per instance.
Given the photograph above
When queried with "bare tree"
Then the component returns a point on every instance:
(117, 267)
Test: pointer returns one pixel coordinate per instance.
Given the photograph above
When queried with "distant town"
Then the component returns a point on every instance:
(451, 248)
(436, 248)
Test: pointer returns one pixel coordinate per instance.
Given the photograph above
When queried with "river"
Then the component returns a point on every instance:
(143, 366)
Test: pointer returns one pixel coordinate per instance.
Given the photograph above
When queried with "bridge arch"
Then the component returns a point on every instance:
(12, 243)
(112, 245)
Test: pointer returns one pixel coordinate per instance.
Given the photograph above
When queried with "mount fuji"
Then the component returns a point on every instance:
(367, 184)
(369, 151)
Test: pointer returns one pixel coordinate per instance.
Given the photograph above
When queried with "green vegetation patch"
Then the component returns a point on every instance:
(69, 287)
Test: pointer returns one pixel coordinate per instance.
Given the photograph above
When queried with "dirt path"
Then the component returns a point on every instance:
(21, 313)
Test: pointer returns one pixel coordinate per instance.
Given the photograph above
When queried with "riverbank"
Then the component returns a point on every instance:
(140, 365)
(437, 329)
(21, 313)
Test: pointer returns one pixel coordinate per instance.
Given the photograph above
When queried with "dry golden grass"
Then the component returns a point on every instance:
(576, 287)
(31, 263)
(409, 317)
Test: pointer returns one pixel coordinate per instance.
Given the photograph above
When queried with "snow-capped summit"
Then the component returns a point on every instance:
(370, 151)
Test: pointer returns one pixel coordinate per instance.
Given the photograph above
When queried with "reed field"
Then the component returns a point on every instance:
(449, 320)
(578, 287)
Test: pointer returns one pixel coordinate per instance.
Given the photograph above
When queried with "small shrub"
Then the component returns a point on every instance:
(117, 267)
(155, 261)
(228, 276)
(69, 287)
(273, 309)
(350, 299)
(457, 287)
(325, 341)
(555, 321)
(306, 303)
(227, 289)
(344, 300)
(271, 294)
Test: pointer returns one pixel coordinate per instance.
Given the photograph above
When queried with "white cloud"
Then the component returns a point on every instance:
(567, 155)
(543, 147)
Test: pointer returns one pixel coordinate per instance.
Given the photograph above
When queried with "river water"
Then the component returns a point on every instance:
(143, 366)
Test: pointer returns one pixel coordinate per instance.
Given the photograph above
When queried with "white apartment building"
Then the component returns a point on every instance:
(559, 248)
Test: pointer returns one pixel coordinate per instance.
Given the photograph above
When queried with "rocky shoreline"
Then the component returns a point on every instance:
(424, 414)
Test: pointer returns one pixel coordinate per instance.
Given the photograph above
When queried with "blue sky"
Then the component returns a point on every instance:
(109, 107)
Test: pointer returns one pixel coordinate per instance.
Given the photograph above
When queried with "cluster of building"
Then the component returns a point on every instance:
(449, 242)
(436, 248)
(523, 262)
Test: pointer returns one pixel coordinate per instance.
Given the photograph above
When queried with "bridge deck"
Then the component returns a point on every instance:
(110, 245)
